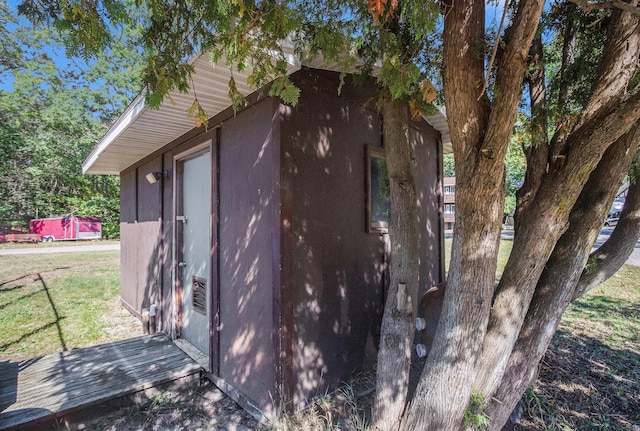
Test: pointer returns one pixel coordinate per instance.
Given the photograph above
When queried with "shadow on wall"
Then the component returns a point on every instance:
(142, 238)
(249, 256)
(152, 297)
(338, 273)
(339, 268)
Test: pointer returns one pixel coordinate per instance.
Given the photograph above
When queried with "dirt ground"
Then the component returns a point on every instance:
(574, 391)
(203, 407)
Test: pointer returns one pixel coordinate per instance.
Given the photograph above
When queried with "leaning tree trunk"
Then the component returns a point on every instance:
(563, 270)
(611, 111)
(611, 255)
(537, 154)
(397, 331)
(480, 131)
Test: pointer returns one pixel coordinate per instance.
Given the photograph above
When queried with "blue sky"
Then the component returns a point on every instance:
(57, 54)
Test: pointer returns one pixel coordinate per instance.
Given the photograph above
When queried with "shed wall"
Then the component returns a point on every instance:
(292, 199)
(338, 267)
(248, 217)
(140, 238)
(249, 202)
(428, 153)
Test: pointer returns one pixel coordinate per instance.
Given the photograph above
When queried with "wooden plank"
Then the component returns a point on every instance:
(53, 367)
(38, 382)
(61, 404)
(88, 353)
(58, 384)
(38, 387)
(101, 381)
(126, 369)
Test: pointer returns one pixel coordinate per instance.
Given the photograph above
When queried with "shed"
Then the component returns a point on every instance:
(261, 240)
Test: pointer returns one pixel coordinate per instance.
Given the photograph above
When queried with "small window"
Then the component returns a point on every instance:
(379, 193)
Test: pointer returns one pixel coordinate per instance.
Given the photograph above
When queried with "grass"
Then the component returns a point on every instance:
(343, 409)
(590, 376)
(56, 302)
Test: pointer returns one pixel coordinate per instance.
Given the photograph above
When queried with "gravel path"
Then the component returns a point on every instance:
(61, 249)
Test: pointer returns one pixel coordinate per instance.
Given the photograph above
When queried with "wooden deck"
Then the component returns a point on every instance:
(52, 386)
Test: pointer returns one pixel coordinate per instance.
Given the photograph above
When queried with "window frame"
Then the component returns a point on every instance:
(374, 226)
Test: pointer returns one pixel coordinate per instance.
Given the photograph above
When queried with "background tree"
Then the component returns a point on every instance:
(53, 112)
(448, 168)
(489, 338)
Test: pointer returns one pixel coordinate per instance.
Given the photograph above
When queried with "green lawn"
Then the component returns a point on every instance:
(55, 302)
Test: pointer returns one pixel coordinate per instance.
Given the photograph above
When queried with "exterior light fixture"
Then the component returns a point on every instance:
(154, 177)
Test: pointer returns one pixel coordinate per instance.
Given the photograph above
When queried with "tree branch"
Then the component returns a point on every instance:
(607, 260)
(494, 50)
(562, 272)
(617, 66)
(509, 77)
(537, 154)
(565, 121)
(548, 216)
(588, 6)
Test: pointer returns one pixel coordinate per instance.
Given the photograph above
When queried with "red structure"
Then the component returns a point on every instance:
(67, 228)
(10, 235)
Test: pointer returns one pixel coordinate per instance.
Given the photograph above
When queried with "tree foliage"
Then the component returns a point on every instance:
(51, 118)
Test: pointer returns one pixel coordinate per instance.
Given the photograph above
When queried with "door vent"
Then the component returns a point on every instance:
(199, 294)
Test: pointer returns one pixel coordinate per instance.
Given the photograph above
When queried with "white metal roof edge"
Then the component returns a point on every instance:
(138, 107)
(439, 122)
(132, 112)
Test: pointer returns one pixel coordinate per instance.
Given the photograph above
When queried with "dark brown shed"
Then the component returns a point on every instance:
(257, 242)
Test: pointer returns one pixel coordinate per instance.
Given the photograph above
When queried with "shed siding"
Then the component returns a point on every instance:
(148, 239)
(128, 260)
(249, 177)
(427, 150)
(337, 265)
(338, 268)
(140, 240)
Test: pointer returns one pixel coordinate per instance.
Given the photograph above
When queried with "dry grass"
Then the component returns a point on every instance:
(348, 408)
(590, 376)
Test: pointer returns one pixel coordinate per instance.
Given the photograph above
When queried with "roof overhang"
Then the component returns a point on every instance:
(140, 130)
(439, 122)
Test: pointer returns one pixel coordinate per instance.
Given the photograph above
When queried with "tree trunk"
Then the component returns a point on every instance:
(611, 255)
(398, 327)
(480, 131)
(562, 272)
(480, 327)
(537, 154)
(610, 112)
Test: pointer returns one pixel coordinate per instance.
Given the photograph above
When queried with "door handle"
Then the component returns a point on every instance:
(182, 264)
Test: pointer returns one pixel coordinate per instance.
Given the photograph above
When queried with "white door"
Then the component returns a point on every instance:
(193, 224)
